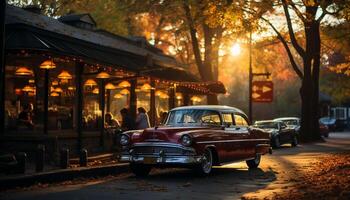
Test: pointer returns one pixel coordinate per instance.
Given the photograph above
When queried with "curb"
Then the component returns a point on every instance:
(62, 175)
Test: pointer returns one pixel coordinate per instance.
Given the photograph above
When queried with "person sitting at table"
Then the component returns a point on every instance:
(128, 122)
(142, 119)
(163, 117)
(26, 116)
(110, 122)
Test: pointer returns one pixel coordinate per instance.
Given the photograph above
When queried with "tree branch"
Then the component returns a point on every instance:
(297, 47)
(194, 40)
(296, 10)
(285, 44)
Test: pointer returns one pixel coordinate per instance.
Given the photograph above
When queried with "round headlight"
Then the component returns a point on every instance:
(186, 140)
(124, 139)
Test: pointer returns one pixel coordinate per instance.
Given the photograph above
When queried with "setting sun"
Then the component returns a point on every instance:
(235, 49)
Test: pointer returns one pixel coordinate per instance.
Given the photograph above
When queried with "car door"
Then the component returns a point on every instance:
(239, 144)
(285, 134)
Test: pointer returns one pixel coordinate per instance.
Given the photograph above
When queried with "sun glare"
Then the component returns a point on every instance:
(235, 49)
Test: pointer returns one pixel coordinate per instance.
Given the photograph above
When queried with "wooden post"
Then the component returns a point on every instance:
(79, 103)
(153, 104)
(172, 97)
(46, 101)
(133, 98)
(102, 108)
(186, 97)
(2, 66)
(108, 101)
(250, 90)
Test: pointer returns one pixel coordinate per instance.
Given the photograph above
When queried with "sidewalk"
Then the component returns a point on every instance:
(97, 166)
(58, 175)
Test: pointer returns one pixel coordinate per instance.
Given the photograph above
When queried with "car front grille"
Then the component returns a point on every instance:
(150, 150)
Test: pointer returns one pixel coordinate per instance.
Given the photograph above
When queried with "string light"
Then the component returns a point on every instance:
(95, 91)
(24, 71)
(124, 84)
(103, 75)
(146, 87)
(124, 91)
(118, 96)
(54, 94)
(64, 75)
(110, 86)
(48, 64)
(90, 82)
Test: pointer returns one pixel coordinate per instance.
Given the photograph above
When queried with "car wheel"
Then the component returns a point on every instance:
(326, 135)
(207, 163)
(254, 163)
(140, 170)
(276, 142)
(294, 142)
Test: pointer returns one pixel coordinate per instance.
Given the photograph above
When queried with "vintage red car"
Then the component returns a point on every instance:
(198, 137)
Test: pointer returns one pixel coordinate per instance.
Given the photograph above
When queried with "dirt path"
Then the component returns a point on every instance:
(280, 176)
(309, 171)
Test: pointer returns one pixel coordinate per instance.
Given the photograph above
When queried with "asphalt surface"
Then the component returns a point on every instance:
(233, 181)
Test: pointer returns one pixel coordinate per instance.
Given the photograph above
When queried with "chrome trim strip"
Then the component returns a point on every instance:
(238, 140)
(161, 144)
(162, 159)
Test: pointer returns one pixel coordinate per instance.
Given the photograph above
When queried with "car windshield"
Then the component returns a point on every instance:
(327, 120)
(291, 122)
(266, 125)
(194, 117)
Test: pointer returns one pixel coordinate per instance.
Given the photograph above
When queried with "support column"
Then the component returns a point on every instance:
(102, 108)
(108, 101)
(46, 101)
(133, 98)
(79, 103)
(172, 97)
(250, 106)
(186, 97)
(153, 103)
(2, 66)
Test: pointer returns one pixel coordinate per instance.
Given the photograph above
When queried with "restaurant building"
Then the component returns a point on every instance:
(65, 74)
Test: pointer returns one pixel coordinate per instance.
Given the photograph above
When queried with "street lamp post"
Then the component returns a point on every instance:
(250, 78)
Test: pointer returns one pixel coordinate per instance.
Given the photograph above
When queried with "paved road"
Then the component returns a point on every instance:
(228, 182)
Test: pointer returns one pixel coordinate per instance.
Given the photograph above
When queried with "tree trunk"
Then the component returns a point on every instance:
(310, 90)
(315, 76)
(204, 67)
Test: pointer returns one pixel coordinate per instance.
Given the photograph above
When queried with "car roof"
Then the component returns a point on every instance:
(267, 121)
(220, 108)
(286, 118)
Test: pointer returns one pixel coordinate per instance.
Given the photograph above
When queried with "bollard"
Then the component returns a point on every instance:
(21, 158)
(64, 158)
(39, 158)
(83, 158)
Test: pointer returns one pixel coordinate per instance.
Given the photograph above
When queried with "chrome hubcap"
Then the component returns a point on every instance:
(207, 162)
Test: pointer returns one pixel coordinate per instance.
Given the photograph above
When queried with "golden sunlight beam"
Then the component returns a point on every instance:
(235, 49)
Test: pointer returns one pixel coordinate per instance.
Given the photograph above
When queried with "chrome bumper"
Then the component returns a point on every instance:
(157, 153)
(154, 160)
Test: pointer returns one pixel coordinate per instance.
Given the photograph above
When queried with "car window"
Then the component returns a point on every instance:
(211, 118)
(292, 122)
(283, 125)
(240, 121)
(227, 117)
(193, 117)
(266, 124)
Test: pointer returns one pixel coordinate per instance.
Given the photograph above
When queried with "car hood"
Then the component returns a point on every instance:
(270, 130)
(162, 134)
